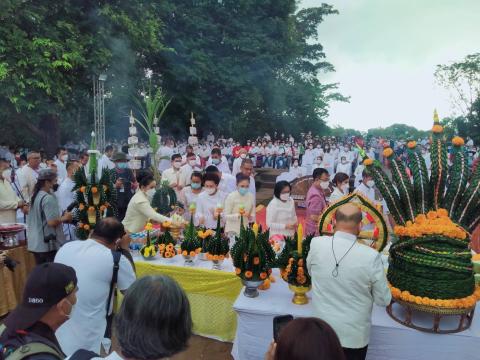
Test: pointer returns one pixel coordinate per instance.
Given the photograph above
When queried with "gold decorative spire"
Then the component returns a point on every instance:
(436, 120)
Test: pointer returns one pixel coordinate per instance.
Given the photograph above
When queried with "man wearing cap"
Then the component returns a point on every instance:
(44, 222)
(125, 183)
(49, 297)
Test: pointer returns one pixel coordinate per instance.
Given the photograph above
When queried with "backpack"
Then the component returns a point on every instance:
(22, 346)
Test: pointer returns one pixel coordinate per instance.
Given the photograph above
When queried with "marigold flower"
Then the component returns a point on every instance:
(82, 189)
(263, 275)
(192, 253)
(388, 152)
(94, 190)
(412, 144)
(458, 141)
(256, 260)
(368, 162)
(81, 207)
(248, 274)
(238, 271)
(86, 227)
(437, 129)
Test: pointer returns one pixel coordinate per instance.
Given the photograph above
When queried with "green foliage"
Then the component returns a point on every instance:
(397, 132)
(190, 240)
(218, 245)
(439, 170)
(165, 199)
(457, 181)
(421, 186)
(166, 238)
(404, 187)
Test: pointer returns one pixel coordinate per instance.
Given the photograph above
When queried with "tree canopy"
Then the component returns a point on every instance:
(238, 65)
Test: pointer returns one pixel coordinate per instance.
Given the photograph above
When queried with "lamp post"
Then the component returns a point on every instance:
(99, 110)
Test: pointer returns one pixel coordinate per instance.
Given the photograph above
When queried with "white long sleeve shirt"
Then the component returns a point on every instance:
(206, 206)
(232, 210)
(279, 214)
(345, 301)
(8, 203)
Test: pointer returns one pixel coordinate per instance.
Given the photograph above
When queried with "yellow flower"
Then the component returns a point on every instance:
(368, 162)
(388, 152)
(412, 144)
(458, 141)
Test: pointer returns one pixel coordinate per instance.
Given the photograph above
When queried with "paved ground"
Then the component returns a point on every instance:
(203, 348)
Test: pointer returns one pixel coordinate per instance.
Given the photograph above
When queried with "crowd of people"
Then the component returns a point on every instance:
(67, 298)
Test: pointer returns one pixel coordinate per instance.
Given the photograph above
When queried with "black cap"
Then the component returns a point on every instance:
(46, 286)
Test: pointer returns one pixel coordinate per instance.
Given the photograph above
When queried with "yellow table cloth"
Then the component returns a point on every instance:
(12, 283)
(211, 294)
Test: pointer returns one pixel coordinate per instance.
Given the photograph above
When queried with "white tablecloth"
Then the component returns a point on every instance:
(389, 340)
(180, 261)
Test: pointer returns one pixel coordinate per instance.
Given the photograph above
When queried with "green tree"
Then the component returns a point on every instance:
(397, 132)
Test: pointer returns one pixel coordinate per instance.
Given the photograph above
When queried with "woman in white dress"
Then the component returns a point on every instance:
(237, 200)
(211, 202)
(189, 194)
(281, 215)
(341, 181)
(328, 161)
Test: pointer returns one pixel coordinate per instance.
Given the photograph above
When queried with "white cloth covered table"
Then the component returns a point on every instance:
(388, 341)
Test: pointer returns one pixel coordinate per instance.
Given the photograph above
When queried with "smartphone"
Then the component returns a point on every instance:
(279, 323)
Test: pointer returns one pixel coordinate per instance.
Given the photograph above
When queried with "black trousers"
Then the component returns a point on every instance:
(44, 257)
(355, 354)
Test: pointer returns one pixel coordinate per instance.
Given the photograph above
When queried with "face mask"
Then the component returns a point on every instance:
(72, 307)
(192, 162)
(284, 196)
(122, 165)
(344, 188)
(318, 161)
(55, 187)
(215, 161)
(324, 184)
(344, 161)
(7, 174)
(243, 156)
(195, 186)
(64, 157)
(243, 191)
(295, 164)
(150, 193)
(177, 164)
(370, 183)
(210, 191)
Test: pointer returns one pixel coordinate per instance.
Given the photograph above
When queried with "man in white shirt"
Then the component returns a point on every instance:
(65, 197)
(172, 175)
(92, 260)
(187, 169)
(29, 174)
(9, 201)
(238, 161)
(228, 183)
(105, 161)
(219, 161)
(347, 279)
(165, 154)
(61, 162)
(210, 137)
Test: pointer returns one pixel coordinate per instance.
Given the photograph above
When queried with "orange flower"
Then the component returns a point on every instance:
(263, 275)
(300, 262)
(209, 256)
(102, 208)
(388, 152)
(86, 227)
(238, 271)
(442, 213)
(215, 257)
(166, 224)
(184, 253)
(161, 246)
(221, 257)
(94, 190)
(91, 208)
(437, 129)
(412, 144)
(458, 141)
(192, 253)
(368, 162)
(256, 260)
(265, 285)
(248, 274)
(82, 189)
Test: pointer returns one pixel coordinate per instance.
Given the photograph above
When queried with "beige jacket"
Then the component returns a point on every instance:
(8, 203)
(139, 211)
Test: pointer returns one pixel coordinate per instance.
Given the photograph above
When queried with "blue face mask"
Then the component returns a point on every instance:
(215, 161)
(122, 165)
(243, 191)
(196, 186)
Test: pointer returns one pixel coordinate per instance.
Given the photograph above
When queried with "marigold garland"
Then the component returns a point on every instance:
(461, 303)
(412, 144)
(388, 152)
(437, 129)
(433, 223)
(458, 141)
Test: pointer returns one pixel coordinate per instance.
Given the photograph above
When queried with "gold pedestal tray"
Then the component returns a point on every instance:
(465, 316)
(299, 294)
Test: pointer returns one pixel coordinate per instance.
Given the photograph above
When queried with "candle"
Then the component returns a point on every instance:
(192, 207)
(219, 206)
(255, 229)
(299, 238)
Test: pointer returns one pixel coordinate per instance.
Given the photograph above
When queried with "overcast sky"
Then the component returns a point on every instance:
(385, 53)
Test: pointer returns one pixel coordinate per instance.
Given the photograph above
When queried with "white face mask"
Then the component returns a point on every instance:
(177, 164)
(192, 162)
(324, 184)
(370, 183)
(344, 188)
(210, 191)
(64, 157)
(295, 164)
(243, 156)
(150, 193)
(284, 196)
(318, 161)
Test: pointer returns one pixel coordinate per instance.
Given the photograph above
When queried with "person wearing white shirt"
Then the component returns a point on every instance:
(65, 197)
(240, 200)
(281, 217)
(61, 162)
(341, 182)
(165, 155)
(358, 174)
(227, 183)
(105, 161)
(92, 260)
(238, 162)
(172, 175)
(246, 168)
(347, 279)
(296, 171)
(308, 158)
(9, 201)
(210, 137)
(187, 169)
(344, 166)
(189, 194)
(219, 161)
(211, 202)
(28, 175)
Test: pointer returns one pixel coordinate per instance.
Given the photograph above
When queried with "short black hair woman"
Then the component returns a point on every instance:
(139, 209)
(307, 339)
(237, 201)
(281, 215)
(154, 321)
(341, 182)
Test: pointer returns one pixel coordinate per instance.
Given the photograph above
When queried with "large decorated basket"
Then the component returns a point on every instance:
(430, 264)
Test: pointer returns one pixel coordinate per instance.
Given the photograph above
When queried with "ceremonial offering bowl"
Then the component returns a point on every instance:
(217, 264)
(251, 288)
(188, 260)
(299, 294)
(175, 231)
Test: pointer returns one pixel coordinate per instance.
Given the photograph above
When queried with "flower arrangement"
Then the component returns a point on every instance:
(166, 245)
(93, 192)
(388, 152)
(190, 245)
(252, 254)
(217, 248)
(149, 250)
(205, 235)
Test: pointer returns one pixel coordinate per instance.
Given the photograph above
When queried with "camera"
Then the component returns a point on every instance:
(51, 237)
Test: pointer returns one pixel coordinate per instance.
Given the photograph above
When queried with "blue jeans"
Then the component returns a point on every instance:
(267, 161)
(280, 162)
